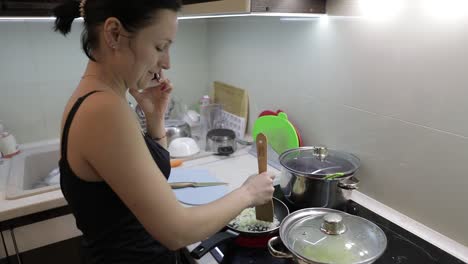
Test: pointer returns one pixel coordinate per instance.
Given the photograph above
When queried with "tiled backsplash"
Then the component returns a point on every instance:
(39, 69)
(393, 92)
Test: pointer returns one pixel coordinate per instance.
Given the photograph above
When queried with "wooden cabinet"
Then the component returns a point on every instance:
(220, 7)
(46, 237)
(190, 8)
(215, 7)
(28, 7)
(67, 251)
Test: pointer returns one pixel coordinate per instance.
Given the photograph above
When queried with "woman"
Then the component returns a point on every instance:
(114, 177)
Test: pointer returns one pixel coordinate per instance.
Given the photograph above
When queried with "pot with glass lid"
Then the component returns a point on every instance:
(318, 177)
(328, 236)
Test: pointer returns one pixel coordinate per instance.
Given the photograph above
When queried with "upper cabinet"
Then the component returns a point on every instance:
(190, 7)
(227, 7)
(28, 7)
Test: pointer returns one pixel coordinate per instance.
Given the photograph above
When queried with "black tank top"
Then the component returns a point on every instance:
(111, 232)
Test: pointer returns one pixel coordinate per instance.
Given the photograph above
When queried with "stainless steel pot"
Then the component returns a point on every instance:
(176, 129)
(221, 141)
(323, 236)
(318, 177)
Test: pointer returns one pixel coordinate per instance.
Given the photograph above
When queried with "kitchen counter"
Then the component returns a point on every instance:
(32, 204)
(234, 169)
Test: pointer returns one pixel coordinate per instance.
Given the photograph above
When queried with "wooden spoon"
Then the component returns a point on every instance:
(263, 212)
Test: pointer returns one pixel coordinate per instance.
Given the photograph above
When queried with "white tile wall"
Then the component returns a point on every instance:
(394, 92)
(39, 69)
(189, 64)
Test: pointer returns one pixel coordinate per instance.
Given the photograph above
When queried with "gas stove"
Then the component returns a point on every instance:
(403, 247)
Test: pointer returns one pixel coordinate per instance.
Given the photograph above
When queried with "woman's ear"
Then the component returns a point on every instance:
(112, 32)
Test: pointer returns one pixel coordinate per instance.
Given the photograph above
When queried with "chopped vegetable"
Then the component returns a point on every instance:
(246, 221)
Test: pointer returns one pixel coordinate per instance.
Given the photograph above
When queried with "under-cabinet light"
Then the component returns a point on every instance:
(283, 15)
(26, 18)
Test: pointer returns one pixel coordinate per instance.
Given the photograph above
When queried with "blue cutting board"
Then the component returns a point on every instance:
(196, 195)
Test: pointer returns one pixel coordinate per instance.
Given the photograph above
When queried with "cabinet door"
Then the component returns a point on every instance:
(28, 7)
(67, 251)
(191, 2)
(216, 7)
(41, 238)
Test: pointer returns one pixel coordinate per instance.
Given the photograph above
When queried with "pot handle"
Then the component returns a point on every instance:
(349, 183)
(207, 245)
(276, 253)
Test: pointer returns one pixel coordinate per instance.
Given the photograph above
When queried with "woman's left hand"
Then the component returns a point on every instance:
(155, 99)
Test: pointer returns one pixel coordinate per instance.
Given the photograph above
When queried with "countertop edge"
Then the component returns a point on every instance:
(10, 209)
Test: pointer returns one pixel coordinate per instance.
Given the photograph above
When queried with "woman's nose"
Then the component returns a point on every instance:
(165, 62)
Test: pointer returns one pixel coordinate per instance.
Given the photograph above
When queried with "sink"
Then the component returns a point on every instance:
(30, 168)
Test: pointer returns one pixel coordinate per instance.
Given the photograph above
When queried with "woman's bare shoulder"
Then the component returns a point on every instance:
(102, 120)
(104, 107)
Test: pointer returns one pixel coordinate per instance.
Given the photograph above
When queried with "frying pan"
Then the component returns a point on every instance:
(280, 210)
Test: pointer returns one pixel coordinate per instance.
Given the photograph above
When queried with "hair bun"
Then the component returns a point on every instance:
(65, 14)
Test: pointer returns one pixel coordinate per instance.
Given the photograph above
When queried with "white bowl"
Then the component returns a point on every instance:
(183, 147)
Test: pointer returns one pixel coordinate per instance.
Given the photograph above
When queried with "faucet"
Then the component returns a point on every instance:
(140, 115)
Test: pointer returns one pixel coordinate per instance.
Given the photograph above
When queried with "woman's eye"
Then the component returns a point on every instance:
(159, 49)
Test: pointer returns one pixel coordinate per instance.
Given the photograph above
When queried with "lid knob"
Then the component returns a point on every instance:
(333, 224)
(320, 152)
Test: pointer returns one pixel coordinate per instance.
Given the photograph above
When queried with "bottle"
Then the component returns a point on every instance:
(204, 127)
(205, 100)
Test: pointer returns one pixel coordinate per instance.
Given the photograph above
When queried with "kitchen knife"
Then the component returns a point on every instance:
(179, 185)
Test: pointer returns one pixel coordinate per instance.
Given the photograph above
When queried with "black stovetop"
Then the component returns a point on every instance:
(403, 247)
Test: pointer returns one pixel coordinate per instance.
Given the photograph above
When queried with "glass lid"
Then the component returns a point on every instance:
(331, 236)
(319, 162)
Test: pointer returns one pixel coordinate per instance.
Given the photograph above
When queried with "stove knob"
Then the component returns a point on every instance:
(400, 260)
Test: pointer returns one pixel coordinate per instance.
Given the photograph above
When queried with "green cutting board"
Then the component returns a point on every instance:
(279, 131)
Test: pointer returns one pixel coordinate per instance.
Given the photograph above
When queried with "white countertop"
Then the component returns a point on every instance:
(234, 169)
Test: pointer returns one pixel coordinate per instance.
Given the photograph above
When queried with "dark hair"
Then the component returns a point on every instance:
(133, 14)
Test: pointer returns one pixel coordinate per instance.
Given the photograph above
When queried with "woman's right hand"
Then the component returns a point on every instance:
(260, 188)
